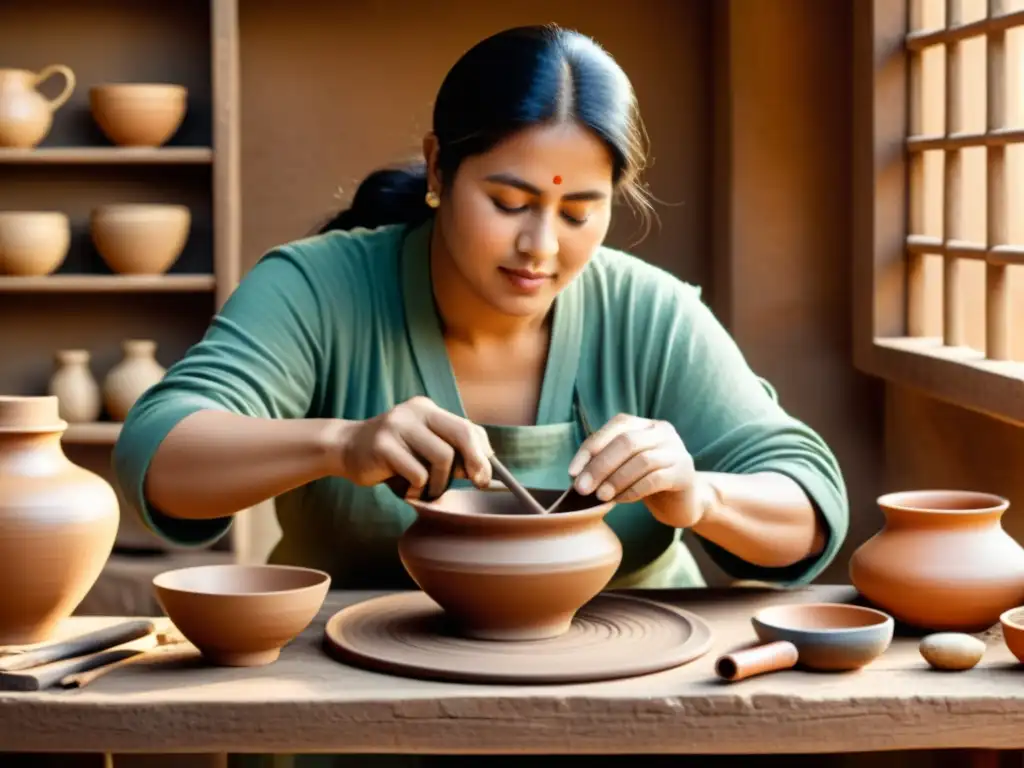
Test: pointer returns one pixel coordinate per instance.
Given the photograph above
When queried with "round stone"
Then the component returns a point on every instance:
(952, 650)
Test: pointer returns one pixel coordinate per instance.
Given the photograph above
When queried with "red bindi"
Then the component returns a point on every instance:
(557, 180)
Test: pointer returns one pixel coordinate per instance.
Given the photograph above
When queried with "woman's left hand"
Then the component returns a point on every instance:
(631, 458)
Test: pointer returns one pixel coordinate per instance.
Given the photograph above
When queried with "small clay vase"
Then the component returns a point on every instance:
(130, 378)
(58, 523)
(942, 561)
(77, 392)
(502, 574)
(26, 116)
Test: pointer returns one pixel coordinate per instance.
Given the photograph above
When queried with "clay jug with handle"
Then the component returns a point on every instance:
(26, 115)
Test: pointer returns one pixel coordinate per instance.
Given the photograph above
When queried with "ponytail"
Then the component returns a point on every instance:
(386, 196)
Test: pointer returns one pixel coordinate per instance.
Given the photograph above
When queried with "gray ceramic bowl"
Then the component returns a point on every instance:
(831, 637)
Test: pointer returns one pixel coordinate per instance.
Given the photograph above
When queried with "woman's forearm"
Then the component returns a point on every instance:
(214, 464)
(764, 518)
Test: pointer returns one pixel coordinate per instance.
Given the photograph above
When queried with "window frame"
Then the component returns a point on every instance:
(882, 345)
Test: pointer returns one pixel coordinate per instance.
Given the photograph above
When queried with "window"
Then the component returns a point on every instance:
(939, 199)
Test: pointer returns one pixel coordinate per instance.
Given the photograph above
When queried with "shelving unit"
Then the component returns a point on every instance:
(75, 168)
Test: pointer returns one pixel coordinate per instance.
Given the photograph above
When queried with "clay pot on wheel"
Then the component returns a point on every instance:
(58, 522)
(942, 561)
(502, 574)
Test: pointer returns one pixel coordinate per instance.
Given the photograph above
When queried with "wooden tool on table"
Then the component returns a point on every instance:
(108, 637)
(770, 657)
(81, 659)
(165, 640)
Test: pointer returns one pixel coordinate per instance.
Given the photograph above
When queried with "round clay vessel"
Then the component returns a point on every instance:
(140, 238)
(58, 522)
(26, 115)
(942, 561)
(138, 114)
(241, 615)
(126, 382)
(33, 243)
(77, 392)
(502, 574)
(1012, 622)
(829, 637)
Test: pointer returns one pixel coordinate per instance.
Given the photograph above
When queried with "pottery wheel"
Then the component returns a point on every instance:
(613, 636)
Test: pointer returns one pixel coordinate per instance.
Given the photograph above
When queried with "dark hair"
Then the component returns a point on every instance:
(507, 82)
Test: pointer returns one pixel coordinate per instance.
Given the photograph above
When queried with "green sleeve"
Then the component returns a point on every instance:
(732, 422)
(259, 357)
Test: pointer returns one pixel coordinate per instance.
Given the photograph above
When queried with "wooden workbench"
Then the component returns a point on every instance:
(308, 702)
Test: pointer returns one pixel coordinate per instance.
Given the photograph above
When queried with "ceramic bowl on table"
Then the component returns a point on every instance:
(501, 573)
(1012, 622)
(829, 637)
(241, 615)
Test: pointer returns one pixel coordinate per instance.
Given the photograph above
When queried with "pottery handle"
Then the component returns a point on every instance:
(69, 83)
(401, 487)
(771, 657)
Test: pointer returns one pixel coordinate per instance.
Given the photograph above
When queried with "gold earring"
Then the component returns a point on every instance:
(432, 199)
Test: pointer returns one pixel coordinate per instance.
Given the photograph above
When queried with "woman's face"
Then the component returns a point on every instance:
(520, 222)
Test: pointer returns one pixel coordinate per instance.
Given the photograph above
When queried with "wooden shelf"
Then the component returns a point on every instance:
(108, 156)
(98, 433)
(108, 284)
(76, 168)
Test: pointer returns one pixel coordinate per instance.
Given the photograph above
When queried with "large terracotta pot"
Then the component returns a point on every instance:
(58, 522)
(942, 561)
(500, 574)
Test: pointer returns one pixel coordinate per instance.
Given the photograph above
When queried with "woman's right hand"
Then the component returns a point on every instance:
(420, 442)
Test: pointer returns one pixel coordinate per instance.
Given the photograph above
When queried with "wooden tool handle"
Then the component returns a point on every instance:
(771, 657)
(90, 642)
(43, 677)
(167, 639)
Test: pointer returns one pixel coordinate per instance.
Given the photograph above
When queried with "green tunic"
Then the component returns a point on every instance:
(343, 325)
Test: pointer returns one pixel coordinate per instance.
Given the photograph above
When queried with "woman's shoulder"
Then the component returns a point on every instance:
(351, 254)
(621, 283)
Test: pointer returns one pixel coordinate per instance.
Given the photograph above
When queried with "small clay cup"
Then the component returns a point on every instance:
(241, 615)
(501, 572)
(829, 637)
(1012, 622)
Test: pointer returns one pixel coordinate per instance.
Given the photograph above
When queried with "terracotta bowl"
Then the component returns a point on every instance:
(1013, 631)
(33, 243)
(830, 637)
(501, 573)
(140, 238)
(138, 114)
(241, 615)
